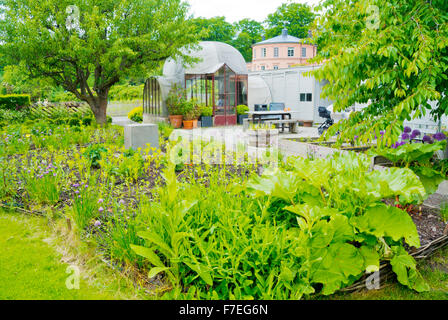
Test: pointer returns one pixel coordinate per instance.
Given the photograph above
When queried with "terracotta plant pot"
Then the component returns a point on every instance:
(176, 121)
(308, 124)
(189, 124)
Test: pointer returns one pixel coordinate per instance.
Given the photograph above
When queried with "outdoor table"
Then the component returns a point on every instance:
(259, 114)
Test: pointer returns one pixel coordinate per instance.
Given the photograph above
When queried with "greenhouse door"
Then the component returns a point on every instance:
(224, 92)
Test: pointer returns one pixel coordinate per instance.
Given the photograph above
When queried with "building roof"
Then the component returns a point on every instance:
(283, 38)
(213, 55)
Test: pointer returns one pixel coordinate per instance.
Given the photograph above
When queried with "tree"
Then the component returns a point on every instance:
(249, 33)
(392, 56)
(296, 17)
(253, 28)
(214, 29)
(87, 46)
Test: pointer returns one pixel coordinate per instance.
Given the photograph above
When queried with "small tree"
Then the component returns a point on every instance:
(87, 46)
(389, 54)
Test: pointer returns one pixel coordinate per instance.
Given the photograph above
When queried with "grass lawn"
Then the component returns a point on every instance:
(32, 269)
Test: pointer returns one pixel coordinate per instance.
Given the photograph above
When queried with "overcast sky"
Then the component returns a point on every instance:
(235, 10)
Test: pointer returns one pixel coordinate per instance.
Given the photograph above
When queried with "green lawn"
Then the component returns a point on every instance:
(32, 269)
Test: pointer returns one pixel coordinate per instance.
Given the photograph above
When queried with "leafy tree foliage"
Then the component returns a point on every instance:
(250, 32)
(88, 48)
(214, 29)
(392, 56)
(296, 17)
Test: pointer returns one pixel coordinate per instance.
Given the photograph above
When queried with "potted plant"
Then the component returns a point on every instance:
(206, 116)
(175, 103)
(191, 114)
(241, 111)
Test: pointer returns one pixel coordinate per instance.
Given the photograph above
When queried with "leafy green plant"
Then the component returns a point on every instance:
(338, 203)
(191, 110)
(85, 205)
(136, 114)
(420, 158)
(14, 101)
(43, 184)
(206, 111)
(94, 154)
(242, 109)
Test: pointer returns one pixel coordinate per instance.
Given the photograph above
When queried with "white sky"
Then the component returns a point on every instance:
(235, 10)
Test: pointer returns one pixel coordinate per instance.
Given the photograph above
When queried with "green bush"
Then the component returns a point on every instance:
(87, 121)
(14, 101)
(136, 114)
(206, 111)
(242, 109)
(12, 116)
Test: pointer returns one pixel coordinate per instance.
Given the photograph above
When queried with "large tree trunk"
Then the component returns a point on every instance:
(99, 108)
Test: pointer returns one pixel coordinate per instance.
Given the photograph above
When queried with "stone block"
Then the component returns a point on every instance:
(140, 135)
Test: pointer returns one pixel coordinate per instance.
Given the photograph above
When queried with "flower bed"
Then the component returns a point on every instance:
(217, 231)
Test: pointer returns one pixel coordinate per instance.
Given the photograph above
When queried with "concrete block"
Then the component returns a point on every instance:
(140, 135)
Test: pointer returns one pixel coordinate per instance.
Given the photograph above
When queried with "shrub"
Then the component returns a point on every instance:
(206, 111)
(14, 101)
(136, 114)
(87, 121)
(242, 109)
(11, 116)
(191, 110)
(93, 153)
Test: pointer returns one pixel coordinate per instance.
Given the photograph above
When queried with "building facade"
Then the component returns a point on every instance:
(281, 52)
(293, 87)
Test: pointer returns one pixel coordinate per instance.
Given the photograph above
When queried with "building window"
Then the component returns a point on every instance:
(303, 52)
(263, 68)
(306, 97)
(276, 52)
(255, 53)
(275, 67)
(290, 52)
(263, 52)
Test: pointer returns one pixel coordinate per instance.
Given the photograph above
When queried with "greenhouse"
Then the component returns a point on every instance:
(219, 79)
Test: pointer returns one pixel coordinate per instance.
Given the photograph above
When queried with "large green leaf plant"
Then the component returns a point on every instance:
(343, 227)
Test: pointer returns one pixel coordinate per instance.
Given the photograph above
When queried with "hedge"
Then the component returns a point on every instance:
(14, 101)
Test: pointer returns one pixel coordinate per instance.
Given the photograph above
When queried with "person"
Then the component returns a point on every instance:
(221, 100)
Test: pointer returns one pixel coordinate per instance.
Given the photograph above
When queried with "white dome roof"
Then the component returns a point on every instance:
(213, 55)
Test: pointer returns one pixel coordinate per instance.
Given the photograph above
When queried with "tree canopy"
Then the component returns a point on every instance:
(249, 33)
(87, 46)
(392, 56)
(296, 17)
(214, 29)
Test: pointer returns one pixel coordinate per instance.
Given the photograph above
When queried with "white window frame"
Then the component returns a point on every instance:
(276, 52)
(264, 52)
(304, 52)
(290, 49)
